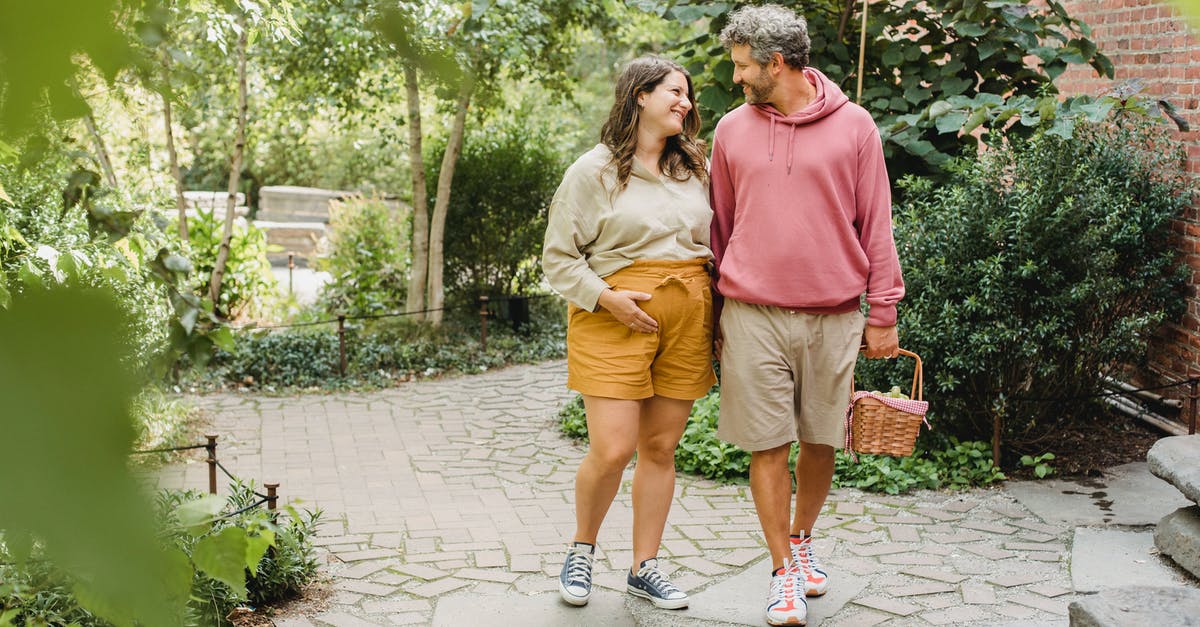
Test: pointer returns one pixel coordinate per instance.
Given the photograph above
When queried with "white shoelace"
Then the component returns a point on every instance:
(656, 578)
(806, 560)
(783, 588)
(579, 568)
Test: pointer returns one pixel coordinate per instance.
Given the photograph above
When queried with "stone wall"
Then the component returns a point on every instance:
(1147, 40)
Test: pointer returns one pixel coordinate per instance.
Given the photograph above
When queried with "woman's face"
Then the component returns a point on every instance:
(664, 109)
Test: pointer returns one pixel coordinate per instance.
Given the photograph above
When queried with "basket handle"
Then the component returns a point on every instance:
(918, 385)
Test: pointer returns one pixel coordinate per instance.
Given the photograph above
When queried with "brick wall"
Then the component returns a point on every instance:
(1147, 40)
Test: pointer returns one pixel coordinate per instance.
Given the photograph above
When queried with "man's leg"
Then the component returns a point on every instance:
(814, 474)
(771, 487)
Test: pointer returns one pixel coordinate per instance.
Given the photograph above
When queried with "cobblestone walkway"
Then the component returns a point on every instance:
(450, 501)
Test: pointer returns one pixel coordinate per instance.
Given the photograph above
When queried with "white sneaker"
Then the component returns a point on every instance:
(785, 601)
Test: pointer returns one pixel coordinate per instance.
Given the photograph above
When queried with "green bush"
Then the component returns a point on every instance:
(368, 258)
(281, 572)
(380, 351)
(38, 593)
(936, 463)
(1035, 271)
(248, 285)
(503, 184)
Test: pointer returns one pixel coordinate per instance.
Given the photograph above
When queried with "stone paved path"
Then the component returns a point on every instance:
(450, 501)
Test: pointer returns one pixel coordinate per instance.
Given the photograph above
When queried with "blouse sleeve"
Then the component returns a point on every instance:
(568, 233)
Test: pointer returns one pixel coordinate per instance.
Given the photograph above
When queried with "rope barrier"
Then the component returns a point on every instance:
(168, 450)
(392, 314)
(1105, 394)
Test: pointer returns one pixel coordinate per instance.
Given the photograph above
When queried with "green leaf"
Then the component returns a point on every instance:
(223, 338)
(177, 263)
(939, 108)
(200, 512)
(256, 547)
(954, 85)
(4, 195)
(715, 98)
(978, 117)
(951, 122)
(970, 29)
(988, 47)
(893, 55)
(222, 556)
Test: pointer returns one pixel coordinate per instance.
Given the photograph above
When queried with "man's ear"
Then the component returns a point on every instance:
(777, 61)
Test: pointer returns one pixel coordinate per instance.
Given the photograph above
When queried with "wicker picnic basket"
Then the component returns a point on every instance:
(882, 425)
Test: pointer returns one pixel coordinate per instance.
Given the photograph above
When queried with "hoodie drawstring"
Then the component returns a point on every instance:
(771, 142)
(791, 137)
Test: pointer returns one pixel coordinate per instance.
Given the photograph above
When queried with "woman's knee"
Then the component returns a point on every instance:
(611, 458)
(658, 451)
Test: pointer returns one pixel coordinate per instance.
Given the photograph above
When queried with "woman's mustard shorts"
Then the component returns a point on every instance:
(606, 358)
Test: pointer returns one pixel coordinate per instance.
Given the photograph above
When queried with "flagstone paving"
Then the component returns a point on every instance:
(444, 495)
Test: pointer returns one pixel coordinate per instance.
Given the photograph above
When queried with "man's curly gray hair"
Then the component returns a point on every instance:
(769, 29)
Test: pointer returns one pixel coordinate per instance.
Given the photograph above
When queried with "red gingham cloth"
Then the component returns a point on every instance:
(903, 404)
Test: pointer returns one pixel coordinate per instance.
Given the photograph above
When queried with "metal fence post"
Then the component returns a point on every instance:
(1193, 396)
(483, 314)
(291, 266)
(211, 447)
(342, 344)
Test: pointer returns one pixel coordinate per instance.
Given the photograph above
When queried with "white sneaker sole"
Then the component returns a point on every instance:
(666, 604)
(787, 621)
(570, 598)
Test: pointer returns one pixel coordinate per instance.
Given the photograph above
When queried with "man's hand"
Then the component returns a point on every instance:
(622, 304)
(881, 342)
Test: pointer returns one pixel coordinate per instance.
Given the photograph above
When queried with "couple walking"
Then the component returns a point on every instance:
(793, 216)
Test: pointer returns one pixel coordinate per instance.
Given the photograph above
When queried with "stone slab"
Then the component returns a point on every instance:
(606, 607)
(1176, 460)
(1141, 605)
(1125, 495)
(738, 598)
(1178, 536)
(1107, 558)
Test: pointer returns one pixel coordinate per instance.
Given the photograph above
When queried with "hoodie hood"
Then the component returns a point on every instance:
(829, 98)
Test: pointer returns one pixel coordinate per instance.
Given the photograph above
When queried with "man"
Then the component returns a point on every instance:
(801, 229)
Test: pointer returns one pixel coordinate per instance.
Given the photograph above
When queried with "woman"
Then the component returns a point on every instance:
(627, 245)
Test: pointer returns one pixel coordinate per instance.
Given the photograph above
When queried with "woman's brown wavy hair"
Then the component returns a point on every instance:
(684, 154)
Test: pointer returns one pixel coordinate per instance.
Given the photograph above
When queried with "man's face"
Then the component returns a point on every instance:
(757, 83)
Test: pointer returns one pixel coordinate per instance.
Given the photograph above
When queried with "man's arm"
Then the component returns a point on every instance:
(885, 286)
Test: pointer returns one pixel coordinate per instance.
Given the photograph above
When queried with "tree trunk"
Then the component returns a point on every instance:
(172, 156)
(101, 151)
(437, 227)
(419, 250)
(235, 169)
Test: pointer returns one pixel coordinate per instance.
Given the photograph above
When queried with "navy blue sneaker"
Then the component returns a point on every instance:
(652, 584)
(575, 580)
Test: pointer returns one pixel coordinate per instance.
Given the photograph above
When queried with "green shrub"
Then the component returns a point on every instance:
(1035, 271)
(503, 184)
(380, 351)
(936, 463)
(368, 258)
(38, 593)
(286, 565)
(247, 285)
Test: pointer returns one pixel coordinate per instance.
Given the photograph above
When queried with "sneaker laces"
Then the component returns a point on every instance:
(656, 578)
(783, 586)
(579, 566)
(806, 560)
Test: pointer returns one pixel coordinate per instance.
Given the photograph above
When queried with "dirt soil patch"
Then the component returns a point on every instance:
(1086, 450)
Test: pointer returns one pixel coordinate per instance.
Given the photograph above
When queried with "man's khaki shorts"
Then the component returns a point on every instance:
(606, 358)
(785, 375)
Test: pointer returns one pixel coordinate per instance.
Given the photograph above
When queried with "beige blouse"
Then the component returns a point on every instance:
(592, 232)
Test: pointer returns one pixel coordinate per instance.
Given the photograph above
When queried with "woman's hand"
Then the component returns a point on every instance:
(622, 304)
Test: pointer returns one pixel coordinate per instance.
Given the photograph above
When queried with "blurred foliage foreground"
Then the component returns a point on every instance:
(82, 542)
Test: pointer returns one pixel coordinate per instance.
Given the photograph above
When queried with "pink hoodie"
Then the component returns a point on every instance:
(802, 213)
